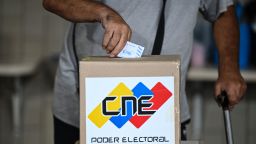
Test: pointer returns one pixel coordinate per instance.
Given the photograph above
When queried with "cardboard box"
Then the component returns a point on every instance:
(130, 100)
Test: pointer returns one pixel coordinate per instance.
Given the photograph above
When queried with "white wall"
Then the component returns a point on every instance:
(28, 32)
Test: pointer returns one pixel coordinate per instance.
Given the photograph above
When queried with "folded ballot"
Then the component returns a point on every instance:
(131, 50)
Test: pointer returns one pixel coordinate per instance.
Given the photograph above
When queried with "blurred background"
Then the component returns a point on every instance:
(30, 42)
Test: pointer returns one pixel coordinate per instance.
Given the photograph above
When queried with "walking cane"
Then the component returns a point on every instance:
(223, 101)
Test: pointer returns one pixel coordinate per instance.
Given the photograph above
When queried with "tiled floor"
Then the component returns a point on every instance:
(37, 118)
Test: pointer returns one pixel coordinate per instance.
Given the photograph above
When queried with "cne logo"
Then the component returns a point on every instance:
(136, 105)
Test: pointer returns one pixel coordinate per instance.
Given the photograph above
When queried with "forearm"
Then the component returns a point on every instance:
(80, 10)
(227, 39)
(117, 31)
(226, 34)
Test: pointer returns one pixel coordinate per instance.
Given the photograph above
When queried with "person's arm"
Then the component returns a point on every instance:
(117, 31)
(226, 34)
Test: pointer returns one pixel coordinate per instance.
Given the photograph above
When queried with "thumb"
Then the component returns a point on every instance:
(218, 89)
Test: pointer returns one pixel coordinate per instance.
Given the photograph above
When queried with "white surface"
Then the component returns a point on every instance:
(211, 74)
(162, 120)
(131, 50)
(17, 70)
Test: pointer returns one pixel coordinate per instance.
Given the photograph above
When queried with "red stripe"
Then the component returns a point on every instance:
(161, 95)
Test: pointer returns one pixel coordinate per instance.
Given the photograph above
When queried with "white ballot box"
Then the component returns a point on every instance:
(130, 100)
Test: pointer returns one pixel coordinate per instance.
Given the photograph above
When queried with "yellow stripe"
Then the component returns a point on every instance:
(97, 117)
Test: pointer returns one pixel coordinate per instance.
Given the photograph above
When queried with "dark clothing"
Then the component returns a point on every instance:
(65, 133)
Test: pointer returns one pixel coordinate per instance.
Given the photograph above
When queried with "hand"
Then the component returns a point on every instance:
(117, 33)
(235, 86)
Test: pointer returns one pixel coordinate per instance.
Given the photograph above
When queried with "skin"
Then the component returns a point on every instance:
(226, 35)
(117, 33)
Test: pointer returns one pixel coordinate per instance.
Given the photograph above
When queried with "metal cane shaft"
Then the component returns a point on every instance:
(222, 99)
(228, 127)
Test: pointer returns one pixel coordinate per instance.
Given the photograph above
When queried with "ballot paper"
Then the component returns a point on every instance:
(131, 50)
